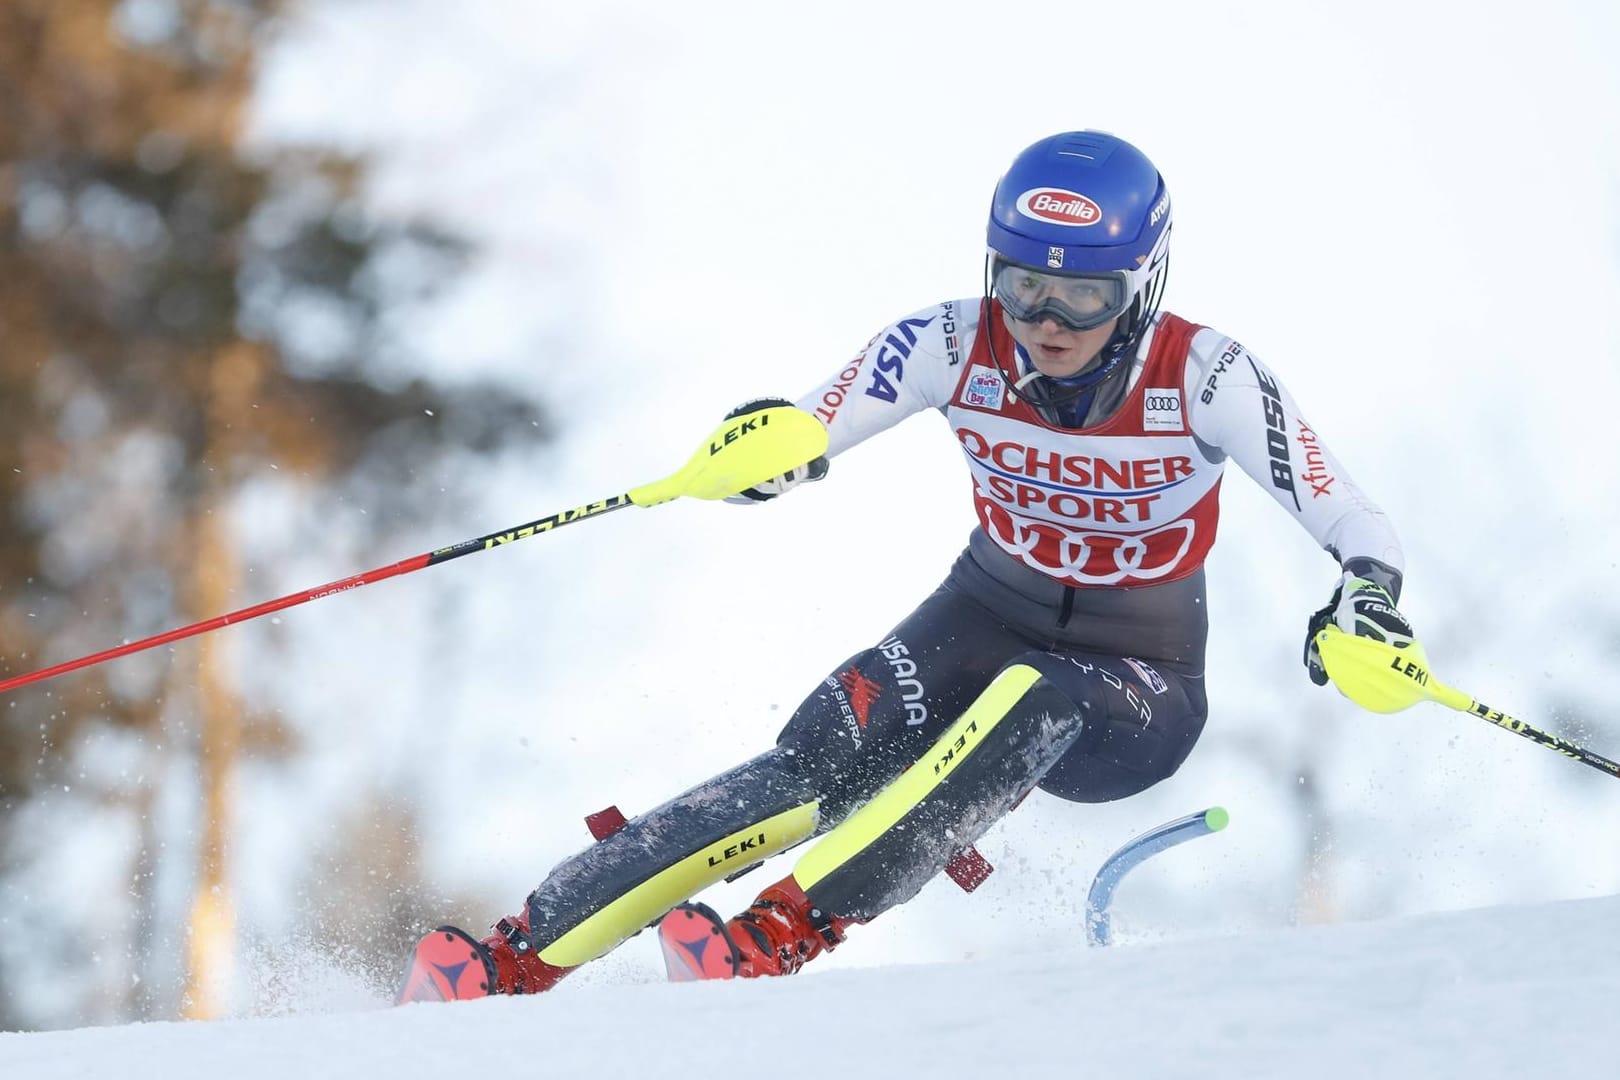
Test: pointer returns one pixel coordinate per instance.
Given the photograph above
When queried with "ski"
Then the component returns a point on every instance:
(696, 946)
(447, 965)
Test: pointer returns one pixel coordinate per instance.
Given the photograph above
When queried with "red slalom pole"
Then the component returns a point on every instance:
(744, 450)
(404, 566)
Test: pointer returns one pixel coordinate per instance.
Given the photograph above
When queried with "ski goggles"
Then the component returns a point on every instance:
(1075, 301)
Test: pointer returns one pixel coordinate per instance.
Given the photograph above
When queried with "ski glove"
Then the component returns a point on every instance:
(777, 485)
(1358, 607)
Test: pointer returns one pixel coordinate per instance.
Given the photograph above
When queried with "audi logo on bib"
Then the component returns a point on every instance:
(1161, 409)
(1093, 558)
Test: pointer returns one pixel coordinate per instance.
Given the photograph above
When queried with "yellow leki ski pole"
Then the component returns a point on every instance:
(1385, 679)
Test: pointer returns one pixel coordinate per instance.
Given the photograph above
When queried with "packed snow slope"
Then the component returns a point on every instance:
(1501, 992)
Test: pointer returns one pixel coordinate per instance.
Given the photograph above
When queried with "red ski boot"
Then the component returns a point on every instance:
(448, 965)
(778, 934)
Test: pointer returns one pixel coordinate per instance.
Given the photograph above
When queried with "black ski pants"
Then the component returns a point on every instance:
(1079, 724)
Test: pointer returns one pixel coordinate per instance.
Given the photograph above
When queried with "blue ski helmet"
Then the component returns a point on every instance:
(1080, 231)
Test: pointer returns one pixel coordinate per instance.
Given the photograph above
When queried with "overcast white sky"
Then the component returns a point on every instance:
(1409, 210)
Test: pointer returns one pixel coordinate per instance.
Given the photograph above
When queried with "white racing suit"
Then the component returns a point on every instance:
(1065, 649)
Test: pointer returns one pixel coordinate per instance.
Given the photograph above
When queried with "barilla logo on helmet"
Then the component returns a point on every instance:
(1059, 207)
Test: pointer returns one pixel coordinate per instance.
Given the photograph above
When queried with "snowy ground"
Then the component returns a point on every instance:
(1501, 992)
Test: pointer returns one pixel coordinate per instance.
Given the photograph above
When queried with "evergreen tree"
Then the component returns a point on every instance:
(175, 317)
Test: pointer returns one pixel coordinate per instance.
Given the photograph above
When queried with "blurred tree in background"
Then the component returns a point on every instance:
(176, 318)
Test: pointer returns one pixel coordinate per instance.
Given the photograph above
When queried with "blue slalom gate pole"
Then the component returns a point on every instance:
(1135, 852)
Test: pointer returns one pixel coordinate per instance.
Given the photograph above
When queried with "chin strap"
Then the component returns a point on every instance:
(1042, 391)
(1068, 400)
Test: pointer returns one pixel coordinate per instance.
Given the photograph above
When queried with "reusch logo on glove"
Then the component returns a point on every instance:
(1059, 207)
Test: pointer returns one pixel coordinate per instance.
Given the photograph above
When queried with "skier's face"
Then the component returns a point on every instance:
(1055, 349)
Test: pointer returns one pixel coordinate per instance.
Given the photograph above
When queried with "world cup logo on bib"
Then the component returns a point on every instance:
(984, 388)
